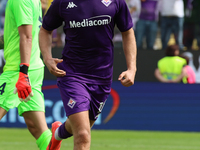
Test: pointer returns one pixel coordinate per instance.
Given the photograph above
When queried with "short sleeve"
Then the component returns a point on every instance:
(123, 17)
(52, 18)
(23, 12)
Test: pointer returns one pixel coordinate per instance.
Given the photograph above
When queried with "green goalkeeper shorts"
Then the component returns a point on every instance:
(10, 100)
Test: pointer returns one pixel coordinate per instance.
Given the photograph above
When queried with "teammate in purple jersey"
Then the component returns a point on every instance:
(84, 74)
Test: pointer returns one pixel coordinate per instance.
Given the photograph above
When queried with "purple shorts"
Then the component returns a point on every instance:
(78, 97)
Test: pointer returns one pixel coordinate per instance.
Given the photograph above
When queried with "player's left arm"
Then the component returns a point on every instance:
(1, 42)
(130, 50)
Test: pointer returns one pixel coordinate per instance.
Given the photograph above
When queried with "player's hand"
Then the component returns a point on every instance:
(127, 78)
(23, 88)
(52, 66)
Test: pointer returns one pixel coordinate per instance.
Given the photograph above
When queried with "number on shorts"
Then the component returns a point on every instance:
(101, 106)
(2, 87)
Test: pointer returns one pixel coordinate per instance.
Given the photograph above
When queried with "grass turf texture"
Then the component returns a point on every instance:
(21, 139)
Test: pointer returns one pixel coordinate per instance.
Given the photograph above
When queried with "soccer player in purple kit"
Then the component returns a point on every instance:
(84, 74)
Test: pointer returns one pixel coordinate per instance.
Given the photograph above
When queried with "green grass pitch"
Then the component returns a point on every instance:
(21, 139)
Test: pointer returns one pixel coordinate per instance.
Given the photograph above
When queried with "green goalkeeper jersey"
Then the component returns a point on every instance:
(21, 12)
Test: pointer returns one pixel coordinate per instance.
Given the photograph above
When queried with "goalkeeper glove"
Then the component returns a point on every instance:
(23, 86)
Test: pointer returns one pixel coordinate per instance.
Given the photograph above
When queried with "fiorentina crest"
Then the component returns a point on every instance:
(71, 103)
(106, 2)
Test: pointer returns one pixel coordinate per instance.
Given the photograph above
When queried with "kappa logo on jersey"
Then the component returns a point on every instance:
(71, 5)
(106, 2)
(71, 103)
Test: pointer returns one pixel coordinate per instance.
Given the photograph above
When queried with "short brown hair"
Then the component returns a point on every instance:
(170, 50)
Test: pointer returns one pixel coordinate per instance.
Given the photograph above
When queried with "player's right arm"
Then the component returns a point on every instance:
(25, 33)
(23, 87)
(45, 42)
(1, 42)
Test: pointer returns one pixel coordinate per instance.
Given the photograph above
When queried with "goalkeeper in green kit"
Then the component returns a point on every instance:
(22, 77)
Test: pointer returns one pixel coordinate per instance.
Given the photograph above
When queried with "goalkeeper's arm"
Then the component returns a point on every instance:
(25, 33)
(23, 84)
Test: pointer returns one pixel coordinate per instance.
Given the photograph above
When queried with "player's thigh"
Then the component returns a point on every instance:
(8, 99)
(37, 101)
(35, 119)
(80, 122)
(2, 112)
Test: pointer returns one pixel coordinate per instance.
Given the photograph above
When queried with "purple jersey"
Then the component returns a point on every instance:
(149, 10)
(89, 29)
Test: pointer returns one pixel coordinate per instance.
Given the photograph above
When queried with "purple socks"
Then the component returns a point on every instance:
(62, 132)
